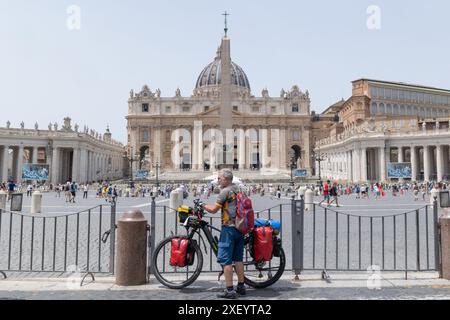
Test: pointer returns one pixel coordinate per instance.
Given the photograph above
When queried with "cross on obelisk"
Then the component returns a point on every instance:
(226, 25)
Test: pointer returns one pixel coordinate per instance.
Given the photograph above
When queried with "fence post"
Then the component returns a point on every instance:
(112, 240)
(297, 212)
(437, 238)
(152, 235)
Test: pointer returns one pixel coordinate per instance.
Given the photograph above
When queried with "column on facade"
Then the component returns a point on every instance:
(264, 148)
(426, 163)
(347, 166)
(306, 148)
(89, 166)
(275, 149)
(196, 146)
(400, 159)
(76, 165)
(93, 166)
(83, 166)
(20, 163)
(248, 149)
(414, 164)
(439, 163)
(4, 164)
(55, 165)
(241, 148)
(212, 149)
(356, 164)
(400, 155)
(104, 166)
(157, 146)
(283, 152)
(34, 158)
(382, 160)
(364, 164)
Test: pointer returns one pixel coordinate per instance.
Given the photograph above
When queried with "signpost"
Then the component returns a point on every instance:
(16, 201)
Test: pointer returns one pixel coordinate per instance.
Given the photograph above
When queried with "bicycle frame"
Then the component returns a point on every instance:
(206, 228)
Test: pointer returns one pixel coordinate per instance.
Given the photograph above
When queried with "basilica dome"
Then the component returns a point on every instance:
(211, 75)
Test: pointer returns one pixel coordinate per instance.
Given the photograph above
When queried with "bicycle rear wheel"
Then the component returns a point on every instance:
(175, 277)
(263, 274)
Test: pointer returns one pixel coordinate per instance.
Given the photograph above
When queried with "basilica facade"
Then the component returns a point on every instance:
(222, 115)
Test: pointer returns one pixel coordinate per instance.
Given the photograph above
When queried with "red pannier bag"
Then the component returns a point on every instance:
(262, 243)
(181, 253)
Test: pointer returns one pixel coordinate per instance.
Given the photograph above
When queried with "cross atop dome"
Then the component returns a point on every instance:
(226, 24)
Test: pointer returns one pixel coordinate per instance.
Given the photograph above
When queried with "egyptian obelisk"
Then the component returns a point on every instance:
(226, 118)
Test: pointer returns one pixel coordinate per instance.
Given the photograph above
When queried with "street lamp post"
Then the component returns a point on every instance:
(157, 180)
(319, 157)
(131, 160)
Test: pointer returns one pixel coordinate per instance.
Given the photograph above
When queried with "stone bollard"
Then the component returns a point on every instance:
(3, 197)
(301, 191)
(317, 190)
(175, 199)
(309, 200)
(434, 194)
(181, 196)
(444, 222)
(36, 202)
(131, 249)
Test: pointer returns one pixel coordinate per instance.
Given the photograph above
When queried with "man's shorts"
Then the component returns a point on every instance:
(231, 246)
(326, 196)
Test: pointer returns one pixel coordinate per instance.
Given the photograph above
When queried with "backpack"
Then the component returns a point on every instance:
(245, 216)
(182, 252)
(263, 243)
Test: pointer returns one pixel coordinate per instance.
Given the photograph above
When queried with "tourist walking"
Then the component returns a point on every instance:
(85, 191)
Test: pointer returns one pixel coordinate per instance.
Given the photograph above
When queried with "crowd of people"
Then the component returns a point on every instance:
(329, 190)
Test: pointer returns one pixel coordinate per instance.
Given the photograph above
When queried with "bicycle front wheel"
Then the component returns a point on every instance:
(171, 276)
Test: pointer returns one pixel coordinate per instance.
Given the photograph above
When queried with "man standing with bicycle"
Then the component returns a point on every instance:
(231, 242)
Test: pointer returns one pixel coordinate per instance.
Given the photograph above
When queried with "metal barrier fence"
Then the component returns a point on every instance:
(63, 243)
(326, 239)
(331, 240)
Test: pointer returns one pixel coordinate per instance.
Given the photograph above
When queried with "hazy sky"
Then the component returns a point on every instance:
(48, 71)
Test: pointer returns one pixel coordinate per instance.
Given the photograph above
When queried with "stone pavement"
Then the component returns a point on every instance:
(342, 287)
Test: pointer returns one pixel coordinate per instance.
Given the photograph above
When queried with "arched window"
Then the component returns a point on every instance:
(373, 108)
(422, 112)
(396, 110)
(402, 110)
(409, 110)
(381, 108)
(389, 109)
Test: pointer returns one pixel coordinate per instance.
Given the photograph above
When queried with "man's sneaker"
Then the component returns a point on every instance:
(241, 290)
(228, 294)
